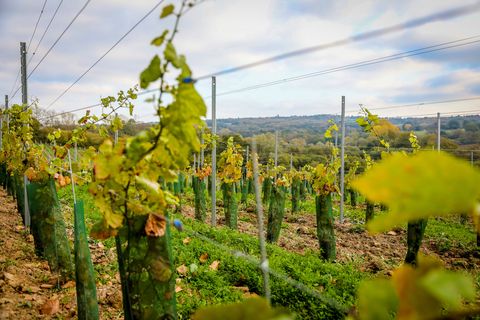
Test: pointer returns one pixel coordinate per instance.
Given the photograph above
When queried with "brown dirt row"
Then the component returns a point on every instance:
(28, 290)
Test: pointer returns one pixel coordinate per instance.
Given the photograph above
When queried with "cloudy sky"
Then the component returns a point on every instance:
(220, 34)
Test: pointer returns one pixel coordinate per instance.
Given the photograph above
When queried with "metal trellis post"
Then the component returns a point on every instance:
(214, 153)
(342, 159)
(23, 61)
(438, 131)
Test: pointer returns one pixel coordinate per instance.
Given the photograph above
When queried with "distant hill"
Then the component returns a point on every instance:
(252, 126)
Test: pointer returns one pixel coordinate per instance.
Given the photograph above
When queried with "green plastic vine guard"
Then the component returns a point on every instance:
(84, 276)
(48, 228)
(200, 201)
(276, 212)
(149, 274)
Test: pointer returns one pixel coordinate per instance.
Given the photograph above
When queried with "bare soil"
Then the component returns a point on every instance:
(28, 290)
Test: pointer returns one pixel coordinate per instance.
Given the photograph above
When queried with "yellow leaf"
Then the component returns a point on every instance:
(203, 258)
(113, 220)
(419, 186)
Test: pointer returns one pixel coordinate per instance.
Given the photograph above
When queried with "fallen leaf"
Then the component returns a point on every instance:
(155, 226)
(69, 284)
(8, 276)
(203, 258)
(50, 307)
(183, 269)
(27, 289)
(391, 233)
(214, 265)
(186, 240)
(178, 289)
(46, 286)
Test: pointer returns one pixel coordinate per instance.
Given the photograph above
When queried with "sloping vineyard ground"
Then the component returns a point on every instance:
(28, 290)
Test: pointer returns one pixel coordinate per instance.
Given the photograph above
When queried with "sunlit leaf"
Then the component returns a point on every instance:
(158, 41)
(419, 186)
(377, 299)
(167, 10)
(151, 73)
(449, 287)
(171, 55)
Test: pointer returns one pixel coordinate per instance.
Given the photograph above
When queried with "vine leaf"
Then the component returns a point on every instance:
(419, 186)
(424, 292)
(171, 55)
(167, 10)
(155, 226)
(158, 41)
(151, 73)
(449, 287)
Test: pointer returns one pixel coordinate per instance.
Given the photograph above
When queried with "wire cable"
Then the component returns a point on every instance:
(416, 104)
(36, 25)
(86, 107)
(59, 37)
(397, 56)
(417, 22)
(14, 84)
(28, 47)
(45, 31)
(107, 52)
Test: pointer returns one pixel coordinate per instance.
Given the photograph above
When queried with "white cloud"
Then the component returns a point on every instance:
(220, 34)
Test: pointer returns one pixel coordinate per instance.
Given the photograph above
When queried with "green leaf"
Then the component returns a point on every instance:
(377, 299)
(149, 185)
(449, 287)
(158, 41)
(151, 73)
(171, 55)
(419, 186)
(166, 11)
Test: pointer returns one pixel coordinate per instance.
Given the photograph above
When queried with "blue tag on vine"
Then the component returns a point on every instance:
(178, 225)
